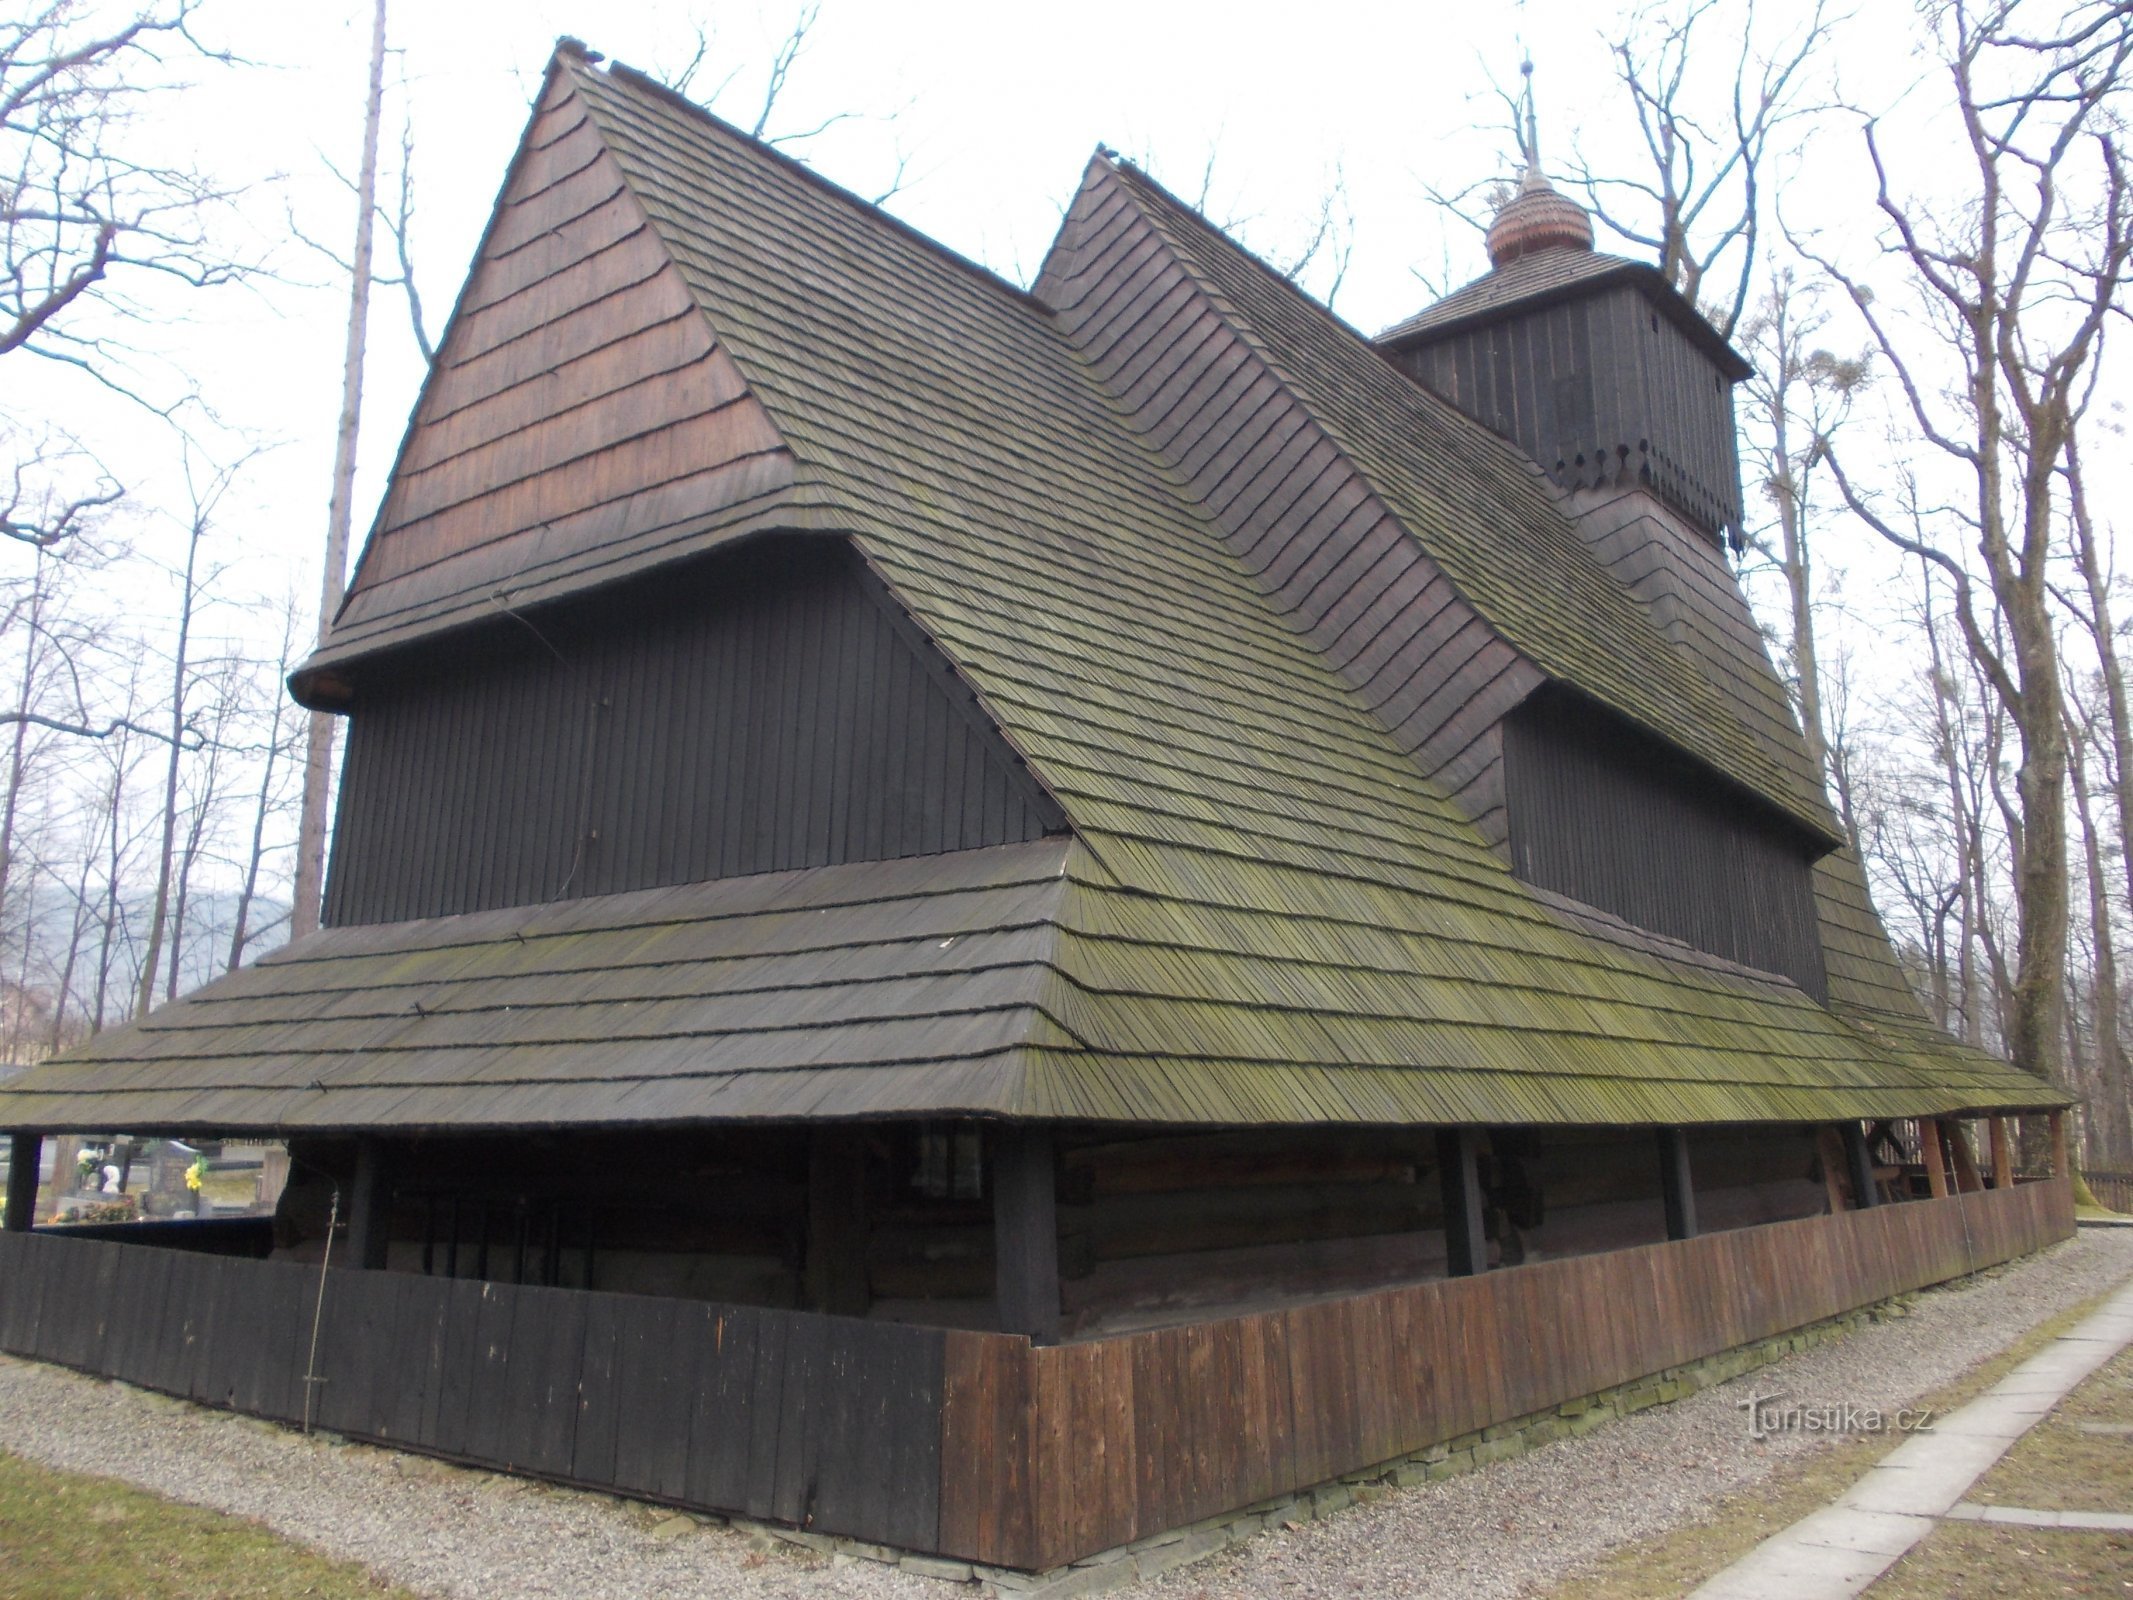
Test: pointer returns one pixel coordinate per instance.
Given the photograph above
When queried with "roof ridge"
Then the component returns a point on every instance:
(645, 83)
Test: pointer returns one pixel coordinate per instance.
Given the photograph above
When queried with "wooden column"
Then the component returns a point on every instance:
(369, 1208)
(2002, 1155)
(1935, 1158)
(24, 1152)
(1860, 1161)
(1676, 1188)
(1025, 1230)
(1466, 1245)
(837, 1220)
(2061, 1167)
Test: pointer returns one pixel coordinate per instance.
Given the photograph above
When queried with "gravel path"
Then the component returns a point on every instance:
(437, 1529)
(1520, 1526)
(1507, 1530)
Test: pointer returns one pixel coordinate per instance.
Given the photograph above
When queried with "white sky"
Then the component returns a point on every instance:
(995, 109)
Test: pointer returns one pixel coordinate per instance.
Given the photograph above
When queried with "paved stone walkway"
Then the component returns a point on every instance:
(1841, 1549)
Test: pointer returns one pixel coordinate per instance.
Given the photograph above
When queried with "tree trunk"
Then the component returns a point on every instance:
(159, 911)
(2110, 1116)
(318, 744)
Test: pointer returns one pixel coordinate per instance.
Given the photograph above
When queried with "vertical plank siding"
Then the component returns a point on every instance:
(975, 1445)
(1602, 815)
(821, 1422)
(1166, 1427)
(1599, 389)
(774, 711)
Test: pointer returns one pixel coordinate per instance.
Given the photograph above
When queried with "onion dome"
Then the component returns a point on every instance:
(1537, 218)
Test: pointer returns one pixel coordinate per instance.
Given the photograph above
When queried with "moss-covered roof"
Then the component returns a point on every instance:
(1266, 912)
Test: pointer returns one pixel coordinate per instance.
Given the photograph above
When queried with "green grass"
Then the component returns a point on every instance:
(65, 1536)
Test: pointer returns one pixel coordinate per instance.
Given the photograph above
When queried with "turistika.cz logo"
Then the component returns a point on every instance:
(1773, 1414)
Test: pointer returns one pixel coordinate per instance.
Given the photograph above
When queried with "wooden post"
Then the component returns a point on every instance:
(1861, 1162)
(1025, 1230)
(2060, 1166)
(1935, 1158)
(837, 1220)
(370, 1204)
(1676, 1188)
(2002, 1155)
(25, 1150)
(1960, 1161)
(1466, 1244)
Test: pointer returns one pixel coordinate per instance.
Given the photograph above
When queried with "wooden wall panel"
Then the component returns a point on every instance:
(1367, 1378)
(1605, 816)
(1598, 390)
(643, 1396)
(773, 711)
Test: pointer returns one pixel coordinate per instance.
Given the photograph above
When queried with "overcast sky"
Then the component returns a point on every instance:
(992, 111)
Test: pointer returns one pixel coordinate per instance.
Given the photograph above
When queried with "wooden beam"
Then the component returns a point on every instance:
(370, 1204)
(2061, 1167)
(1961, 1161)
(2002, 1155)
(1025, 1230)
(1676, 1188)
(1829, 1156)
(1466, 1244)
(1859, 1161)
(1935, 1158)
(837, 1220)
(24, 1152)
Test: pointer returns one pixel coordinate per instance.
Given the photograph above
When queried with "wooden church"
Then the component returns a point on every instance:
(997, 920)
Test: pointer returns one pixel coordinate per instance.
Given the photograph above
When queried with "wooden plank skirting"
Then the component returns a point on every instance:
(975, 1445)
(1052, 1453)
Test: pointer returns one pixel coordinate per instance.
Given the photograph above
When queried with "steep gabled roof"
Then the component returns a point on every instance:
(1267, 911)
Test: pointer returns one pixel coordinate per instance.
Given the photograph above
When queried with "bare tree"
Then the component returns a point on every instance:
(333, 583)
(1799, 395)
(85, 212)
(2013, 290)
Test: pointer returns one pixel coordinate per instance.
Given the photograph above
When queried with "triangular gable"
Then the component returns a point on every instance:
(579, 416)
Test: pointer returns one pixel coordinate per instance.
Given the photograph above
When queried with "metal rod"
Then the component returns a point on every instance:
(318, 1313)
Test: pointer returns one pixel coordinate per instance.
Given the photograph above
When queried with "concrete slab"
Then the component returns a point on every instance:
(1874, 1533)
(2027, 1517)
(1796, 1572)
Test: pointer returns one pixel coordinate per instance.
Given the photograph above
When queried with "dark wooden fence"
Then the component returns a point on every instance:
(810, 1420)
(971, 1444)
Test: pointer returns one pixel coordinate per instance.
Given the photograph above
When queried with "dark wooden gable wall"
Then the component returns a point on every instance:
(579, 406)
(1599, 389)
(1612, 818)
(1286, 499)
(770, 708)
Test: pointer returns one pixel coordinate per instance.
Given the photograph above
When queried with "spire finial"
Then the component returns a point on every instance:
(1536, 217)
(1532, 142)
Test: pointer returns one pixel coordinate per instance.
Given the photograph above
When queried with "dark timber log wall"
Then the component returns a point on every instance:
(976, 1445)
(774, 710)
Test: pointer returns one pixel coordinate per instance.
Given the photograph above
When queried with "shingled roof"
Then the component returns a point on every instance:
(1265, 911)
